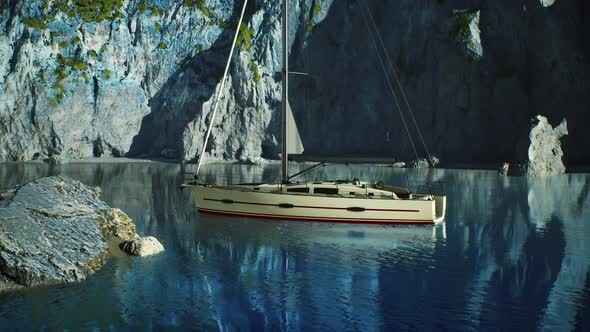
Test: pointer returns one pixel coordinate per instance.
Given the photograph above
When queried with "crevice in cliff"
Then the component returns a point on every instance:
(137, 33)
(97, 149)
(34, 107)
(55, 148)
(175, 13)
(82, 33)
(17, 47)
(95, 92)
(11, 5)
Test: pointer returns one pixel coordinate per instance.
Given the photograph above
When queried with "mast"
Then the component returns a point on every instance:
(220, 90)
(285, 96)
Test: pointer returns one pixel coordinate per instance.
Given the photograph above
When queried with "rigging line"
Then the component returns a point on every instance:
(307, 81)
(388, 81)
(231, 52)
(399, 83)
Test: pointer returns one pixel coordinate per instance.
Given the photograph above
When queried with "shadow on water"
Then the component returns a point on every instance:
(513, 254)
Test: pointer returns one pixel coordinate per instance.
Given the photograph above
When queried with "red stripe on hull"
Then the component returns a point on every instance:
(310, 207)
(317, 219)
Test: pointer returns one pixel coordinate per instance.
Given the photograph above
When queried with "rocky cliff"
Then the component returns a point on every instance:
(535, 60)
(137, 77)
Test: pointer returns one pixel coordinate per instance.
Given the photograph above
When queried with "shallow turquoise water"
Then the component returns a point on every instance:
(513, 254)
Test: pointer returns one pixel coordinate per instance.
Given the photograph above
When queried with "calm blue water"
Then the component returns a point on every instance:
(514, 254)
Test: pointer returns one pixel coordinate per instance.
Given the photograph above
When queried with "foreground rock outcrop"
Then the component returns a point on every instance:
(544, 150)
(56, 230)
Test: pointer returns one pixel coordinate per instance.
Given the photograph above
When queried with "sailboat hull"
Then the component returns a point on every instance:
(284, 206)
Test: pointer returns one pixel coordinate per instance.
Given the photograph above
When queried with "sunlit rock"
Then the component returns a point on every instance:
(544, 153)
(144, 246)
(504, 168)
(466, 31)
(55, 230)
(130, 81)
(253, 161)
(118, 224)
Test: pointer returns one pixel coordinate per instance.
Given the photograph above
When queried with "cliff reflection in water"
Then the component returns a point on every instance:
(513, 254)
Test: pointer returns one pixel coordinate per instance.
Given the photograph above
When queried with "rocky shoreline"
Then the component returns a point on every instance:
(56, 230)
(542, 155)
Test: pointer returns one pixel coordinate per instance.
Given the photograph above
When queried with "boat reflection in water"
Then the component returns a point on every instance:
(289, 272)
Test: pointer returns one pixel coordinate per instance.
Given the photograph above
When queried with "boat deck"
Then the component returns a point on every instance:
(336, 189)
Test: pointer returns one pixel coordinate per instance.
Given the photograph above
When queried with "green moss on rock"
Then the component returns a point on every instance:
(244, 41)
(35, 23)
(255, 74)
(90, 10)
(199, 4)
(106, 74)
(74, 63)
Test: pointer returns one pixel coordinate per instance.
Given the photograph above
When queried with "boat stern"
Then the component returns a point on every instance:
(440, 208)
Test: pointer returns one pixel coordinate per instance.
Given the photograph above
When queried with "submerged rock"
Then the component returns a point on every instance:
(144, 246)
(466, 31)
(55, 230)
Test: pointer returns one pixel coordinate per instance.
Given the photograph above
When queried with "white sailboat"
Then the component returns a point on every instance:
(323, 201)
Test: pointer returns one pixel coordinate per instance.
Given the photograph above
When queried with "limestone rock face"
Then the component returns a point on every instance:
(535, 61)
(144, 246)
(248, 121)
(466, 31)
(55, 230)
(118, 224)
(545, 153)
(139, 80)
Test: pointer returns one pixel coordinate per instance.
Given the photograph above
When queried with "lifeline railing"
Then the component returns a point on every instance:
(437, 188)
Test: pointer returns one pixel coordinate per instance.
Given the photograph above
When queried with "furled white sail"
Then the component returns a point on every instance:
(294, 143)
